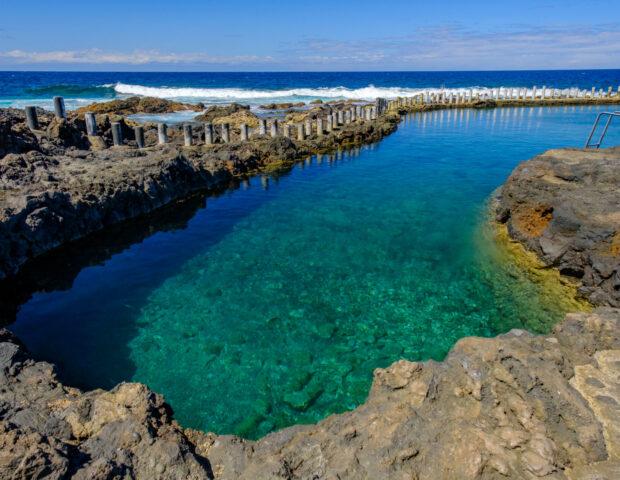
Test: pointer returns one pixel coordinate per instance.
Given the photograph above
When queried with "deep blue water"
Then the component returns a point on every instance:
(275, 302)
(80, 88)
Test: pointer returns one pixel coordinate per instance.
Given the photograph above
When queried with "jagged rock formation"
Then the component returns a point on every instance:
(515, 406)
(565, 206)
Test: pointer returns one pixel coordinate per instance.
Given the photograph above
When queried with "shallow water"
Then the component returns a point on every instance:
(276, 302)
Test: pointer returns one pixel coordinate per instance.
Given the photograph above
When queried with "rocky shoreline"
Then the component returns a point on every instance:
(57, 185)
(514, 406)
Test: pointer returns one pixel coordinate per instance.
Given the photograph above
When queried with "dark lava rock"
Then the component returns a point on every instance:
(565, 206)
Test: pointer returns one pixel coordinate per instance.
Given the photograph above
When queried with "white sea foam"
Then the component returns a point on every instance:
(365, 93)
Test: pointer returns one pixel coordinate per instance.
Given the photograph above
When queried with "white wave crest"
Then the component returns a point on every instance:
(365, 93)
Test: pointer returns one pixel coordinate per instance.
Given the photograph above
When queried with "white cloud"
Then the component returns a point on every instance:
(440, 47)
(136, 57)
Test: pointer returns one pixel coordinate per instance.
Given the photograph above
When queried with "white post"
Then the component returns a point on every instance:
(31, 118)
(187, 133)
(319, 126)
(208, 133)
(243, 135)
(162, 133)
(139, 134)
(59, 107)
(91, 124)
(117, 137)
(274, 128)
(225, 133)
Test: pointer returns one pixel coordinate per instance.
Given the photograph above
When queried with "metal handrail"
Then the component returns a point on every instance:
(598, 117)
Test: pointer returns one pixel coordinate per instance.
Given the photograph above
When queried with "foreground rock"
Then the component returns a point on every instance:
(565, 206)
(515, 406)
(54, 189)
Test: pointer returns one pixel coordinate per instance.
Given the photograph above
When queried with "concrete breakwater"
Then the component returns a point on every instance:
(505, 97)
(61, 182)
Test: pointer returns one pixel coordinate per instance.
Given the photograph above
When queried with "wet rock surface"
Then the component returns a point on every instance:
(57, 187)
(514, 406)
(565, 206)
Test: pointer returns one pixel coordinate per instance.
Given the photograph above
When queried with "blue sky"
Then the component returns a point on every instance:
(315, 35)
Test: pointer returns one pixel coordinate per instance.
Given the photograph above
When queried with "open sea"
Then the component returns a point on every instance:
(271, 303)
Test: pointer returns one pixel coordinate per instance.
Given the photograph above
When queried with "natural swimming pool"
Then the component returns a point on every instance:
(273, 306)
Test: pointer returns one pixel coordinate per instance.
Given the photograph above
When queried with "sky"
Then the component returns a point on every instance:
(308, 35)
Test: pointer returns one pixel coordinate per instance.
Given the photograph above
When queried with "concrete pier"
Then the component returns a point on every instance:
(300, 132)
(139, 133)
(117, 136)
(162, 133)
(347, 117)
(308, 127)
(353, 114)
(91, 124)
(262, 127)
(340, 117)
(59, 107)
(243, 135)
(208, 133)
(225, 133)
(32, 118)
(273, 128)
(358, 111)
(187, 134)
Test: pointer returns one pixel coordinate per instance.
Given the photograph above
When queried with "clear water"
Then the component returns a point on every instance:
(273, 306)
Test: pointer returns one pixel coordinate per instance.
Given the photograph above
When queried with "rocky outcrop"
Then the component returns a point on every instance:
(234, 114)
(52, 191)
(133, 105)
(565, 206)
(515, 406)
(280, 106)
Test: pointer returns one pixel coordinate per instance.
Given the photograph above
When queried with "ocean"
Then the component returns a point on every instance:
(18, 89)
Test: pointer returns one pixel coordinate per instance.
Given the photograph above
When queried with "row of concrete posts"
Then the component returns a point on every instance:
(501, 93)
(320, 125)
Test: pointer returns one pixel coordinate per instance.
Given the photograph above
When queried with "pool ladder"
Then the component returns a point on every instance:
(600, 140)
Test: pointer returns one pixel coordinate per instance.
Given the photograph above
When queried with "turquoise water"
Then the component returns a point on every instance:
(275, 303)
